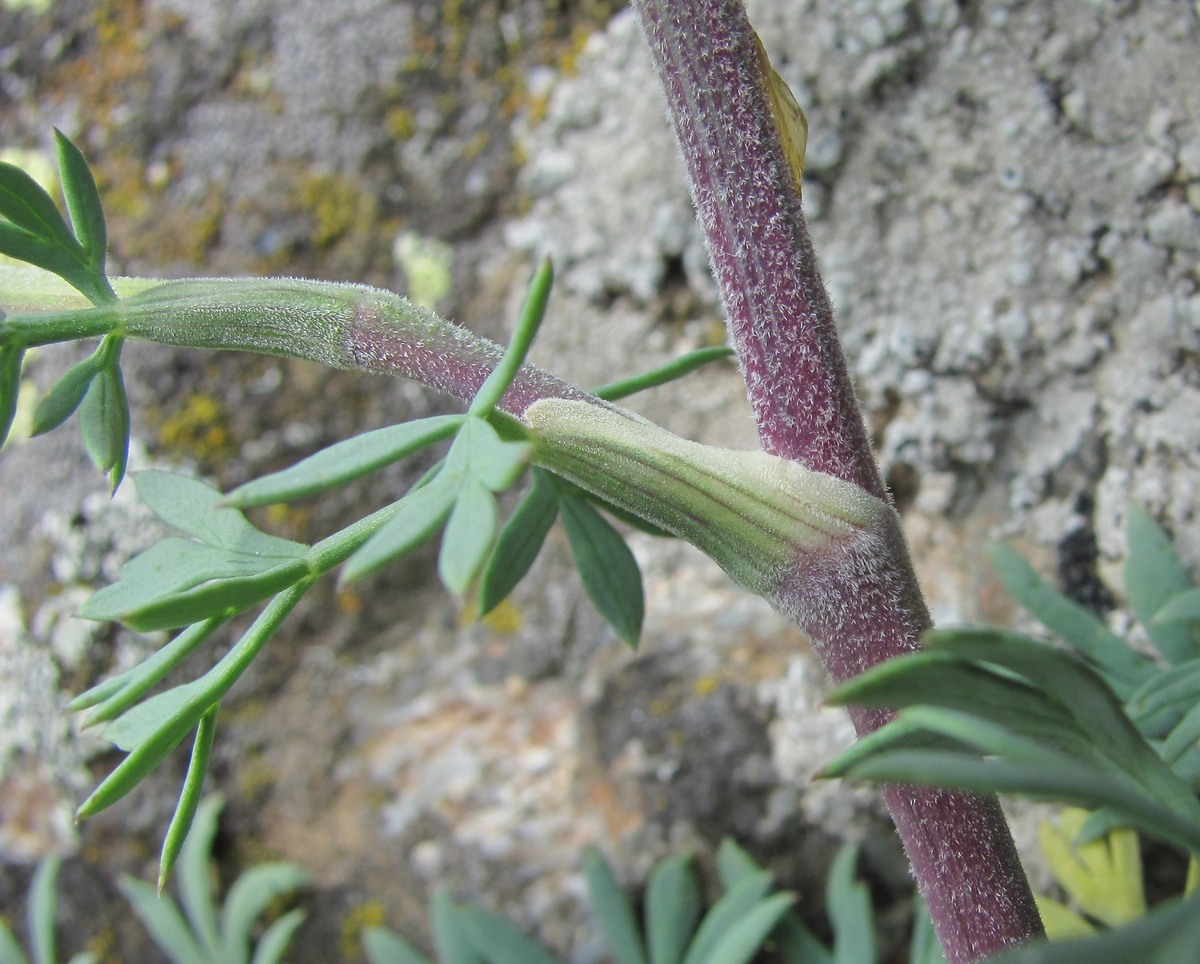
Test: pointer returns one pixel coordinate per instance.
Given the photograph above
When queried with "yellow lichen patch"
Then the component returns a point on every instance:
(358, 920)
(705, 685)
(336, 205)
(100, 74)
(428, 266)
(400, 122)
(789, 119)
(199, 429)
(103, 945)
(255, 777)
(348, 601)
(504, 620)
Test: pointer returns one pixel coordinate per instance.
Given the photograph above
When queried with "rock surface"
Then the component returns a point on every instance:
(1006, 201)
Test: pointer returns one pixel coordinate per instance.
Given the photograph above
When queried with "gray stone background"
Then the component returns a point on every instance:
(1005, 197)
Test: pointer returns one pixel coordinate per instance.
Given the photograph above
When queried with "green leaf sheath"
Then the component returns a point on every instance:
(754, 513)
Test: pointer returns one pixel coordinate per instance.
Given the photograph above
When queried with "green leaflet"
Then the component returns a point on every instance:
(113, 697)
(608, 568)
(36, 233)
(735, 905)
(157, 726)
(104, 420)
(83, 204)
(179, 581)
(669, 372)
(66, 395)
(189, 797)
(519, 542)
(345, 461)
(1169, 934)
(450, 938)
(203, 934)
(478, 464)
(383, 946)
(199, 510)
(500, 940)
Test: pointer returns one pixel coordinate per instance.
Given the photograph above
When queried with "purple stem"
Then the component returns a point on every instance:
(863, 608)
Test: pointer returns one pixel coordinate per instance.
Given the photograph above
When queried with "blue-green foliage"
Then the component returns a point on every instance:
(748, 917)
(1091, 722)
(43, 904)
(202, 932)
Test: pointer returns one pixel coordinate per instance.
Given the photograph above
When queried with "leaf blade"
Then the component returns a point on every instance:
(344, 461)
(608, 568)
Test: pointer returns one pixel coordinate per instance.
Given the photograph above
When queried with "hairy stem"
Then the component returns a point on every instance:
(863, 605)
(340, 325)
